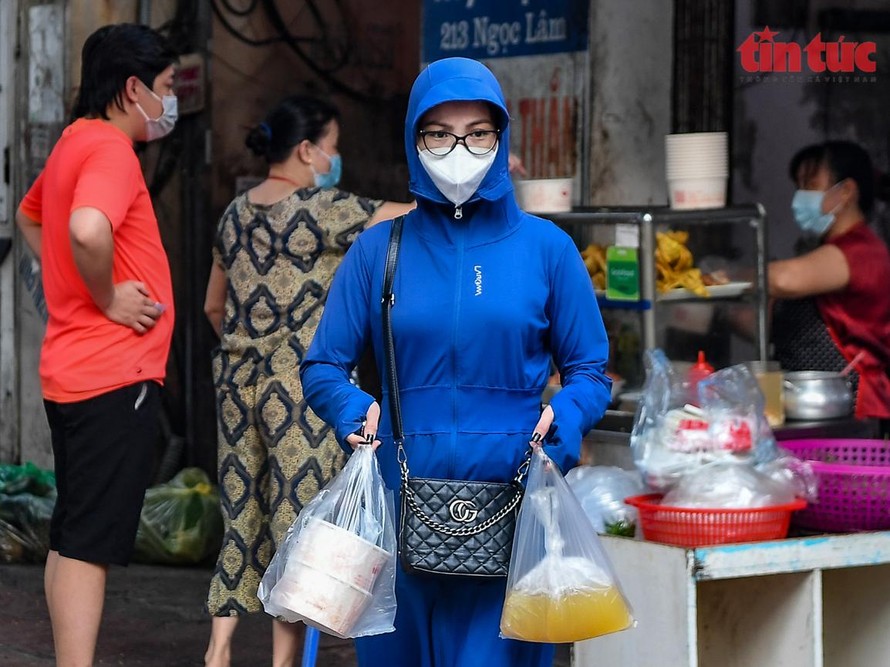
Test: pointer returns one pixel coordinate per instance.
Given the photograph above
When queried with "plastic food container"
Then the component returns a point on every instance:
(329, 577)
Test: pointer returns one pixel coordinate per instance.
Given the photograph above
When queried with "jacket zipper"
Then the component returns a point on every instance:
(454, 331)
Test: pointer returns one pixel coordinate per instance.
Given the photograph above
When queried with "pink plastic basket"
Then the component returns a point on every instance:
(854, 484)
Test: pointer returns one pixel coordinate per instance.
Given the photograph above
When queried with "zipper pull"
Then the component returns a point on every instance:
(458, 213)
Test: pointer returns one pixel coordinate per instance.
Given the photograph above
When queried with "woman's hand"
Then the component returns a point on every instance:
(367, 435)
(542, 427)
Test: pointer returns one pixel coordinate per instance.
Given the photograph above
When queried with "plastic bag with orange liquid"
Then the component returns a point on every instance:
(561, 587)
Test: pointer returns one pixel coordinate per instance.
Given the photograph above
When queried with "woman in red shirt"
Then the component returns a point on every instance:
(833, 303)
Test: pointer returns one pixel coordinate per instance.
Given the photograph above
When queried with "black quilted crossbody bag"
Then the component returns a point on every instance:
(447, 526)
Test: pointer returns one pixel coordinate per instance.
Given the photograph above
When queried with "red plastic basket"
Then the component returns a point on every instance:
(854, 484)
(693, 527)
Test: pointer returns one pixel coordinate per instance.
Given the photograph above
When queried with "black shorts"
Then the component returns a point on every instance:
(104, 449)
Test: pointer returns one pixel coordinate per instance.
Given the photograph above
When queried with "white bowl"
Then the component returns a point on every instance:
(544, 195)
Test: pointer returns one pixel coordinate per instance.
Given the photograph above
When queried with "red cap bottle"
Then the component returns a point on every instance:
(700, 370)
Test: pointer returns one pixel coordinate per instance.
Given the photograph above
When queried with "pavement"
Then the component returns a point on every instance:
(153, 617)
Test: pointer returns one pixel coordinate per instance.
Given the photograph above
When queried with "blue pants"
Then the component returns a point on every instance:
(449, 622)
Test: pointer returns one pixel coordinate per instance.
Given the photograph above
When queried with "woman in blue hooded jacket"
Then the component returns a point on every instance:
(486, 296)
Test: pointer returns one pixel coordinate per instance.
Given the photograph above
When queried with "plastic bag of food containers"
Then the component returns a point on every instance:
(180, 522)
(734, 404)
(561, 587)
(672, 437)
(601, 490)
(336, 568)
(27, 499)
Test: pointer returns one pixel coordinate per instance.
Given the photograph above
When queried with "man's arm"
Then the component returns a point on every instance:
(92, 245)
(32, 231)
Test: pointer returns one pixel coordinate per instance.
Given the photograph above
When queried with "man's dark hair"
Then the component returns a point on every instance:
(843, 159)
(113, 54)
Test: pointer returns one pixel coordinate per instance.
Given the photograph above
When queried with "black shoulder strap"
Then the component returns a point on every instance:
(389, 353)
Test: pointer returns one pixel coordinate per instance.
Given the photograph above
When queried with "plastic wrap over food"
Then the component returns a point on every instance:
(729, 485)
(561, 587)
(672, 437)
(733, 402)
(788, 469)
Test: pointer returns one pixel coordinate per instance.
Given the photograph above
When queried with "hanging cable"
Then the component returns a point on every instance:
(237, 34)
(296, 43)
(277, 21)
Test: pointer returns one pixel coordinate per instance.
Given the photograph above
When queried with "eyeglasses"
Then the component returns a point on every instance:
(440, 142)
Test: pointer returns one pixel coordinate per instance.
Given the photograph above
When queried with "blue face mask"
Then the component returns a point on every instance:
(332, 177)
(807, 208)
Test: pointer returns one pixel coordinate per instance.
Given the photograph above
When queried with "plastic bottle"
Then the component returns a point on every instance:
(700, 370)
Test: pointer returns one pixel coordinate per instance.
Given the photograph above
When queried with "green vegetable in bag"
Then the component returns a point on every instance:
(180, 522)
(27, 498)
(27, 478)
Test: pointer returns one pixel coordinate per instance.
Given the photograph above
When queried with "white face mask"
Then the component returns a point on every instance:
(458, 174)
(157, 128)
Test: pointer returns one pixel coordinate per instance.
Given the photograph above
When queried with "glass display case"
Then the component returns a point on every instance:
(727, 320)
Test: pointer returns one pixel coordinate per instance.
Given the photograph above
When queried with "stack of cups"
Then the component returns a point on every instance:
(697, 169)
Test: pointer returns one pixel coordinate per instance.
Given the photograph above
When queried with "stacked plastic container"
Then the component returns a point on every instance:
(697, 169)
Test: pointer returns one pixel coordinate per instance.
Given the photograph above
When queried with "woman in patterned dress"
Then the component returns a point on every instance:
(275, 254)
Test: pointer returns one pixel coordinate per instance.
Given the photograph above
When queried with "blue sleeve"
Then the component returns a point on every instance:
(580, 350)
(339, 341)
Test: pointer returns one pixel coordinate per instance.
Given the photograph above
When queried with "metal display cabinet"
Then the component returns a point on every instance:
(646, 220)
(821, 601)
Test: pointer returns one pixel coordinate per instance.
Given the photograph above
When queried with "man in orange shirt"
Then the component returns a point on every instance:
(88, 217)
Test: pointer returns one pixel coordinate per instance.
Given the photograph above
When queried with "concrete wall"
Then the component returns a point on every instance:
(630, 54)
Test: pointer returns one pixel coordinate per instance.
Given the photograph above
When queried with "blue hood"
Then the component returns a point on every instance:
(452, 80)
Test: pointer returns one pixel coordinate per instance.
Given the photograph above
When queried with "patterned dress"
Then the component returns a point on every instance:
(274, 452)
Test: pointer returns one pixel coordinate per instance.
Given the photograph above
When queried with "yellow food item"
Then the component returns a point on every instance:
(584, 614)
(674, 264)
(594, 257)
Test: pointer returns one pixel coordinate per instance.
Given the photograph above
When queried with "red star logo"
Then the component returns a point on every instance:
(766, 35)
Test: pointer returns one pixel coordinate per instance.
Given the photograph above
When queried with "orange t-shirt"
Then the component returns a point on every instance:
(84, 353)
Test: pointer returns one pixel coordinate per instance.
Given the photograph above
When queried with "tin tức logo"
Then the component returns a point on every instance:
(761, 53)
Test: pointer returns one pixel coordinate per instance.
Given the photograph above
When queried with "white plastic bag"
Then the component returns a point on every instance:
(336, 568)
(601, 490)
(729, 484)
(560, 587)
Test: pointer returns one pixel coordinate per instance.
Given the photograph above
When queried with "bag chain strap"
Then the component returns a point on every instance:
(408, 496)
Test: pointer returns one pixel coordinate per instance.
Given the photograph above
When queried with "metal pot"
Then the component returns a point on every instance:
(817, 395)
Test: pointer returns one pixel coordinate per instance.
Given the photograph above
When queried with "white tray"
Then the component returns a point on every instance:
(729, 289)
